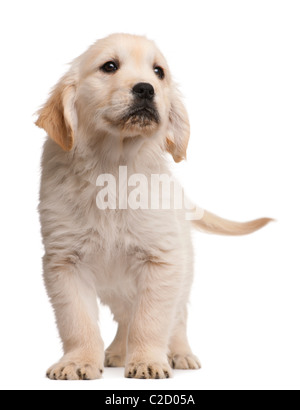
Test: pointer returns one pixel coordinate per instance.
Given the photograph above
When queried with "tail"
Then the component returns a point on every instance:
(214, 224)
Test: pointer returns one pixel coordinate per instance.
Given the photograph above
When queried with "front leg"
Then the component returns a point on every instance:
(75, 304)
(149, 330)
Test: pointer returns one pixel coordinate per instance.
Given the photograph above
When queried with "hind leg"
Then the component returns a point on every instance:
(115, 354)
(180, 353)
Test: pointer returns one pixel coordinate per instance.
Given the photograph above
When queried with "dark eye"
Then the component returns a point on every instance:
(159, 72)
(110, 67)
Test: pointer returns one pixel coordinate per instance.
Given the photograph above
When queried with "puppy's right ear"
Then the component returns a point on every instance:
(58, 116)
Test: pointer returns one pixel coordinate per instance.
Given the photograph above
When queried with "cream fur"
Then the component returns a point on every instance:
(138, 262)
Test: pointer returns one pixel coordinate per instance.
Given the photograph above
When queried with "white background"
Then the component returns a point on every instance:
(238, 64)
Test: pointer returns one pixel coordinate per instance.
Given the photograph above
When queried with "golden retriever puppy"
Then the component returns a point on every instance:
(118, 109)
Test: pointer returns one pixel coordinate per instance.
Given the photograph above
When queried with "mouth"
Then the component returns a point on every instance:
(141, 115)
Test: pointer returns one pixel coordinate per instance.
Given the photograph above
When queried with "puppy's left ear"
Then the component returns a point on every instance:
(58, 116)
(178, 133)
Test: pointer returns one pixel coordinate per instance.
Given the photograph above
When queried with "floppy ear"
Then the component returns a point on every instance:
(58, 116)
(178, 133)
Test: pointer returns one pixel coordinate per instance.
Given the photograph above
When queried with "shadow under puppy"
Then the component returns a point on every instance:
(117, 106)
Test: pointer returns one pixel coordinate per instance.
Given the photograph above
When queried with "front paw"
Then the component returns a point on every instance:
(77, 369)
(148, 370)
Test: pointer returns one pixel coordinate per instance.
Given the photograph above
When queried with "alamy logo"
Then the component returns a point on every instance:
(139, 191)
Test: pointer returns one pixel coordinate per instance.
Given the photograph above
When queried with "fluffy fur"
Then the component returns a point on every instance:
(138, 262)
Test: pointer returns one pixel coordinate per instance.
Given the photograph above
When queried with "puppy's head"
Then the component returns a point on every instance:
(121, 86)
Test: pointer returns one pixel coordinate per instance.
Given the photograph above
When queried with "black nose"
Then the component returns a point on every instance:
(144, 91)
